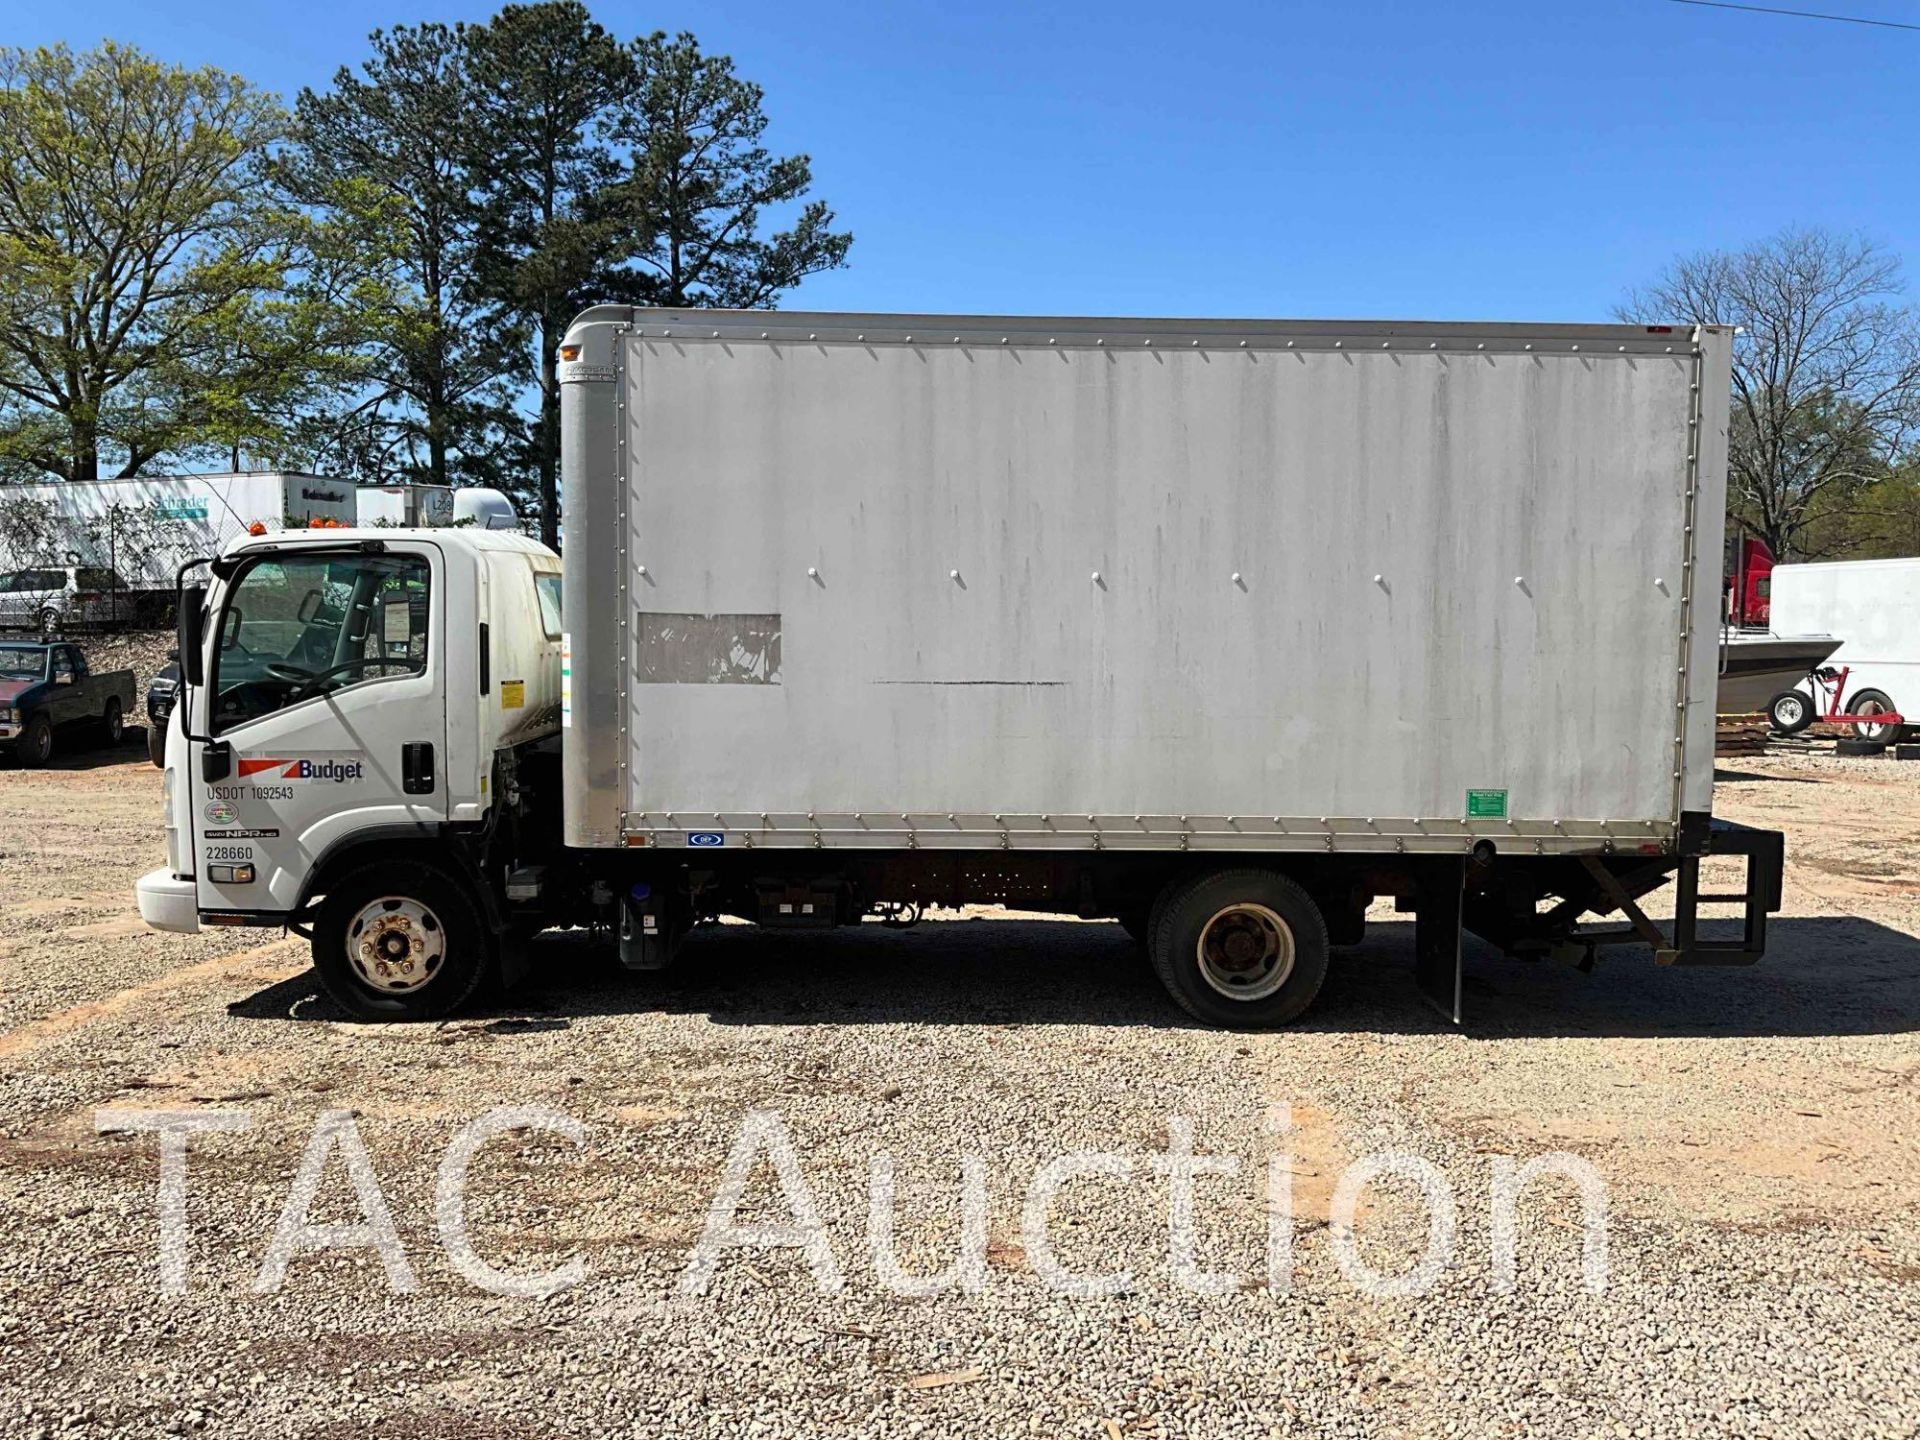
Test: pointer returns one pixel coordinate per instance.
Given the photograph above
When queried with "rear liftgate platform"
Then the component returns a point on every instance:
(1457, 894)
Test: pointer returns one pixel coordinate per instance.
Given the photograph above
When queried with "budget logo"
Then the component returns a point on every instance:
(339, 770)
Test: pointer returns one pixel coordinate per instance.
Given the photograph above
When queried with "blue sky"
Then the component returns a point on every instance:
(1499, 159)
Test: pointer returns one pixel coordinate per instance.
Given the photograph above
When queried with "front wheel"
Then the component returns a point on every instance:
(1246, 949)
(1790, 712)
(401, 941)
(1874, 702)
(157, 743)
(35, 745)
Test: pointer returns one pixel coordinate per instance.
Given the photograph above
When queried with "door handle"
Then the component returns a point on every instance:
(216, 761)
(416, 767)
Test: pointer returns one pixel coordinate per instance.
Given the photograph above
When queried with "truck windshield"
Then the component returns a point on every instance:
(22, 662)
(301, 626)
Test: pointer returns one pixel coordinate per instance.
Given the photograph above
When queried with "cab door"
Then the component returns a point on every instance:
(323, 716)
(67, 704)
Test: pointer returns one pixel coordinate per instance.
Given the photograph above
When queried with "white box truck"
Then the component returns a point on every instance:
(1873, 608)
(1222, 629)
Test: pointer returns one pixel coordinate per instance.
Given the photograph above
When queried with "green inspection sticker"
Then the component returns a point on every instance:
(1486, 804)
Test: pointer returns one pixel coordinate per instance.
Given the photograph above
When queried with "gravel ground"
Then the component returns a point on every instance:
(1754, 1131)
(141, 651)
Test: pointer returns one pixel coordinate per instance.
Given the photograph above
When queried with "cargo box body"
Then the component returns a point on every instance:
(1872, 607)
(976, 582)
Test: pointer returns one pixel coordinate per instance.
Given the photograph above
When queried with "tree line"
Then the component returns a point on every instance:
(1824, 427)
(373, 281)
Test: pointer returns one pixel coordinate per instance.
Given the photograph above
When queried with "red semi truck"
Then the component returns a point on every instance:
(1750, 584)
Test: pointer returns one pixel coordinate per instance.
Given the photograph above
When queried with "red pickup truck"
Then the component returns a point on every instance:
(47, 689)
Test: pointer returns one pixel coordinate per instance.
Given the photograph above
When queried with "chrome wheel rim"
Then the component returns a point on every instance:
(396, 945)
(1245, 952)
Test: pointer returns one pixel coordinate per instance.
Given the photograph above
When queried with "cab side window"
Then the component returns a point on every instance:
(547, 587)
(63, 673)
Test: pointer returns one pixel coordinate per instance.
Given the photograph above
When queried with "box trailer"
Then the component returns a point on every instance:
(430, 505)
(404, 505)
(1873, 608)
(145, 527)
(1222, 629)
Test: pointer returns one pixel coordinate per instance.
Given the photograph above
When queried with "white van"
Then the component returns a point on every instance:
(48, 599)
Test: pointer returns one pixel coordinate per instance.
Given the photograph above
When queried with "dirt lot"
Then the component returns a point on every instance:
(1755, 1131)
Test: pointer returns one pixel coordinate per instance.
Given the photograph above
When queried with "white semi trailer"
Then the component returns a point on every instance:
(146, 526)
(1223, 629)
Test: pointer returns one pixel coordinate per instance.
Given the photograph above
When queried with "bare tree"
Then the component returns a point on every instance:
(1826, 372)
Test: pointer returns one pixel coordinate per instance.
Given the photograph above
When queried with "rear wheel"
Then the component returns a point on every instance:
(1790, 712)
(401, 941)
(1245, 949)
(35, 745)
(1873, 702)
(49, 622)
(113, 723)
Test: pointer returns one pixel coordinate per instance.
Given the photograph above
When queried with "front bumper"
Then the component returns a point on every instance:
(168, 902)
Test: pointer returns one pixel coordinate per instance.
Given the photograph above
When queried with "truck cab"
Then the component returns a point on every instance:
(1749, 583)
(350, 703)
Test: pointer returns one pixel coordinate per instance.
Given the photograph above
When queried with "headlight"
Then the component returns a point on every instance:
(7, 715)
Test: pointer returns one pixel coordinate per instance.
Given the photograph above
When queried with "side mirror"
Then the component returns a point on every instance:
(190, 634)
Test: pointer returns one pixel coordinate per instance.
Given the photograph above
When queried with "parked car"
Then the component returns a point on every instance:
(48, 599)
(47, 689)
(161, 694)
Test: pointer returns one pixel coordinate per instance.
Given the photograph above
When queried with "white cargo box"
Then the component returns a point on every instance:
(1872, 607)
(146, 527)
(889, 581)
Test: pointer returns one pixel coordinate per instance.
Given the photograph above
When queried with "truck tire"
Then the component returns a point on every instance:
(401, 940)
(1244, 949)
(113, 722)
(1868, 702)
(157, 744)
(1790, 712)
(35, 745)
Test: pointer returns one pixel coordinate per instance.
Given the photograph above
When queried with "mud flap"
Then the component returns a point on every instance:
(514, 960)
(1439, 891)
